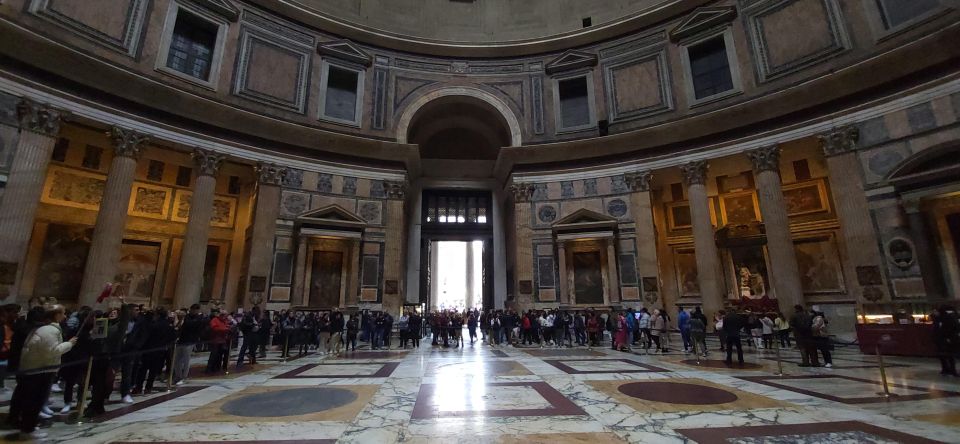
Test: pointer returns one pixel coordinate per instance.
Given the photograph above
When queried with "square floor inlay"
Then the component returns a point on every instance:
(344, 370)
(497, 399)
(550, 353)
(478, 368)
(594, 366)
(848, 390)
(682, 395)
(286, 404)
(822, 432)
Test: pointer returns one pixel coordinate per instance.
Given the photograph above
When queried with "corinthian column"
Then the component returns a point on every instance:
(194, 253)
(265, 213)
(709, 272)
(108, 232)
(784, 273)
(39, 126)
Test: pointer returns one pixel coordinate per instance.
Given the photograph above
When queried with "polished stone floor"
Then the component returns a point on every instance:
(481, 394)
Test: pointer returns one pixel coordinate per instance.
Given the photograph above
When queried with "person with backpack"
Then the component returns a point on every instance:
(698, 336)
(219, 336)
(249, 327)
(821, 338)
(800, 323)
(161, 335)
(733, 322)
(105, 363)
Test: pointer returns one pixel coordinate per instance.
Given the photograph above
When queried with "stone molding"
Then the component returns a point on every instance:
(639, 181)
(395, 189)
(126, 142)
(839, 140)
(270, 174)
(37, 118)
(522, 192)
(765, 159)
(694, 173)
(208, 162)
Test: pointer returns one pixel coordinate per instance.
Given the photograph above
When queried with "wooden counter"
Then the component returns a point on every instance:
(897, 339)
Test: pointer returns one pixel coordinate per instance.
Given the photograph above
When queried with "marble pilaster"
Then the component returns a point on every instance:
(613, 275)
(194, 252)
(565, 296)
(641, 201)
(39, 126)
(265, 213)
(300, 272)
(709, 272)
(926, 251)
(104, 252)
(784, 272)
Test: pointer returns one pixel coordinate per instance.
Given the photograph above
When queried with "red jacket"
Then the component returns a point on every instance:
(218, 331)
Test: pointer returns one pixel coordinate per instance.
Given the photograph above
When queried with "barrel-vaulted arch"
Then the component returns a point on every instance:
(462, 96)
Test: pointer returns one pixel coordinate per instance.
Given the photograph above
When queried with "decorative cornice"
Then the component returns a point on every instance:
(694, 173)
(207, 162)
(345, 50)
(765, 159)
(37, 118)
(839, 140)
(223, 8)
(395, 189)
(270, 173)
(126, 142)
(521, 192)
(702, 19)
(638, 181)
(570, 60)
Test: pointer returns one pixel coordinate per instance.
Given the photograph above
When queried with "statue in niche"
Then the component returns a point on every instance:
(751, 284)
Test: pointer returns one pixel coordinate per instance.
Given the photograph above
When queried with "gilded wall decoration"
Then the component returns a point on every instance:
(739, 208)
(73, 188)
(807, 197)
(149, 201)
(224, 209)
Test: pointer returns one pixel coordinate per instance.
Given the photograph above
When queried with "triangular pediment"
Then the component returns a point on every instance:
(585, 216)
(345, 50)
(330, 214)
(702, 19)
(223, 8)
(571, 60)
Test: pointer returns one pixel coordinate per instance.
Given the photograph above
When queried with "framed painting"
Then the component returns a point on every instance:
(62, 260)
(137, 270)
(739, 208)
(685, 267)
(678, 215)
(819, 263)
(588, 277)
(806, 197)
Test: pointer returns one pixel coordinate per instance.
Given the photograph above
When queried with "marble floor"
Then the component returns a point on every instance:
(482, 394)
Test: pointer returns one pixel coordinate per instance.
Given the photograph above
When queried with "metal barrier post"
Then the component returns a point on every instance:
(226, 368)
(696, 351)
(285, 354)
(173, 364)
(77, 417)
(883, 374)
(779, 362)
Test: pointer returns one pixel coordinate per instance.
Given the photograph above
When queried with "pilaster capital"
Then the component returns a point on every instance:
(839, 140)
(126, 142)
(694, 173)
(270, 173)
(521, 192)
(395, 189)
(765, 158)
(38, 118)
(638, 181)
(207, 162)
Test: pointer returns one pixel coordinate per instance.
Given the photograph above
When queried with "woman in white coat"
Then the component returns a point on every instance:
(39, 360)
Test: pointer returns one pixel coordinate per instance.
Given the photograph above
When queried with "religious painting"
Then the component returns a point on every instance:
(805, 198)
(685, 264)
(588, 277)
(819, 265)
(73, 188)
(739, 208)
(149, 201)
(137, 270)
(62, 260)
(678, 214)
(750, 265)
(325, 277)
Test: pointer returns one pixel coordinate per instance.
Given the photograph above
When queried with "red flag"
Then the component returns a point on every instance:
(105, 293)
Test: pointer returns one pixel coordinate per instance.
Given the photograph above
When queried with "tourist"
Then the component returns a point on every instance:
(664, 331)
(160, 336)
(782, 326)
(402, 323)
(249, 327)
(821, 338)
(266, 327)
(472, 327)
(580, 328)
(495, 327)
(767, 327)
(800, 323)
(621, 335)
(657, 326)
(133, 342)
(387, 330)
(946, 336)
(718, 328)
(733, 322)
(41, 353)
(353, 330)
(755, 328)
(631, 321)
(643, 323)
(219, 331)
(414, 329)
(323, 333)
(683, 324)
(698, 335)
(593, 330)
(188, 337)
(73, 374)
(105, 362)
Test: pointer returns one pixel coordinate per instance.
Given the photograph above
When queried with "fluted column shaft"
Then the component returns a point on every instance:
(104, 254)
(784, 273)
(264, 226)
(709, 272)
(193, 256)
(471, 278)
(38, 130)
(300, 273)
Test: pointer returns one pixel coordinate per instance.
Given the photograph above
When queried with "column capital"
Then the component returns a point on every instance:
(694, 173)
(638, 181)
(396, 189)
(270, 173)
(126, 142)
(207, 162)
(839, 140)
(521, 192)
(38, 118)
(765, 158)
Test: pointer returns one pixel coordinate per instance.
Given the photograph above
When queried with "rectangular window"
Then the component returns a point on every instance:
(710, 68)
(191, 46)
(155, 171)
(233, 187)
(897, 12)
(341, 94)
(60, 150)
(91, 157)
(183, 176)
(574, 102)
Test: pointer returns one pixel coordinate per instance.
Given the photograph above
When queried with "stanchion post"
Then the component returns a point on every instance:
(173, 365)
(226, 369)
(285, 353)
(696, 352)
(779, 361)
(883, 374)
(77, 417)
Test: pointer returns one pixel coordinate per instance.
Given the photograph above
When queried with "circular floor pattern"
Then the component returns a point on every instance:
(716, 363)
(677, 393)
(292, 402)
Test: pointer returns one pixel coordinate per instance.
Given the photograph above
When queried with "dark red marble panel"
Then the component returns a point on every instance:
(868, 398)
(385, 371)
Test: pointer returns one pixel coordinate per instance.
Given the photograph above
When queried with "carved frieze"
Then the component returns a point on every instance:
(37, 118)
(270, 174)
(126, 142)
(765, 159)
(694, 173)
(638, 181)
(839, 140)
(207, 162)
